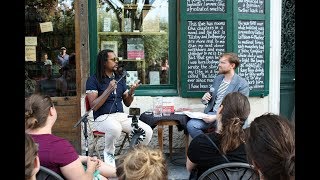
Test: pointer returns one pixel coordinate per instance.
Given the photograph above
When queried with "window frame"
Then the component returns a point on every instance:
(144, 89)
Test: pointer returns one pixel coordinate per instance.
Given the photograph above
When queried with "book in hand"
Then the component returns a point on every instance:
(132, 77)
(196, 115)
(135, 48)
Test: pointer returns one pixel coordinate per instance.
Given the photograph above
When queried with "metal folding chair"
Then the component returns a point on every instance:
(230, 171)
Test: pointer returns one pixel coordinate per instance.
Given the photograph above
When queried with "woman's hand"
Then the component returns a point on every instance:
(92, 164)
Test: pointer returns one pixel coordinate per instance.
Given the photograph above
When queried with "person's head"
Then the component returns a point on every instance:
(143, 163)
(231, 115)
(228, 62)
(45, 56)
(164, 61)
(106, 62)
(32, 163)
(270, 146)
(37, 110)
(63, 50)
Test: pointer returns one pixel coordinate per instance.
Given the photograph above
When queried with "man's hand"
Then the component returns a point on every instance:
(134, 86)
(112, 86)
(209, 118)
(206, 97)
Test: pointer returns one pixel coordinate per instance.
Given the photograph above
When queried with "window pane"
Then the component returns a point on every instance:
(138, 34)
(50, 48)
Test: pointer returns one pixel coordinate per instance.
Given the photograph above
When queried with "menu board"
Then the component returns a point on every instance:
(255, 7)
(251, 35)
(206, 6)
(210, 28)
(206, 41)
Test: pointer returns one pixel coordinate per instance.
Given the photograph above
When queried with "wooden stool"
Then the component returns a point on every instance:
(169, 123)
(97, 135)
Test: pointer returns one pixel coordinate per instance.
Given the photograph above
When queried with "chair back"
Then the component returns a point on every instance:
(47, 174)
(86, 101)
(232, 171)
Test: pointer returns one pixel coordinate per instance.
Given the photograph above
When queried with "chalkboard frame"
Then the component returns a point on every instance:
(231, 16)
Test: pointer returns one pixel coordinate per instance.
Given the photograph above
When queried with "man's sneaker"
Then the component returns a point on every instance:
(109, 159)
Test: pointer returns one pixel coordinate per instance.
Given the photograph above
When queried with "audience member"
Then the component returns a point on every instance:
(47, 84)
(142, 163)
(56, 69)
(63, 57)
(105, 91)
(228, 137)
(270, 145)
(66, 83)
(32, 163)
(227, 81)
(29, 84)
(45, 59)
(164, 75)
(55, 152)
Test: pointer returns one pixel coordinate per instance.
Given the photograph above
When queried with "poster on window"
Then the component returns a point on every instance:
(112, 45)
(30, 40)
(154, 77)
(30, 53)
(46, 27)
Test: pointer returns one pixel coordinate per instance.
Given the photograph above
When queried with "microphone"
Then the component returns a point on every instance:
(115, 90)
(124, 73)
(211, 91)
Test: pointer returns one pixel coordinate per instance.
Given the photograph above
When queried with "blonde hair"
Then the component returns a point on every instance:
(142, 163)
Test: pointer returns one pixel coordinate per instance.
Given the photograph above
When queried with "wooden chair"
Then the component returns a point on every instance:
(98, 134)
(47, 174)
(230, 171)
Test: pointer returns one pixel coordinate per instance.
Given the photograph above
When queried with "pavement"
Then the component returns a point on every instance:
(177, 166)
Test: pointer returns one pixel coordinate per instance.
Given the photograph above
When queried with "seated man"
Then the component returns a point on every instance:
(226, 82)
(107, 92)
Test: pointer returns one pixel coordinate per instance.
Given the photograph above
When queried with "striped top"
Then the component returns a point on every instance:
(220, 94)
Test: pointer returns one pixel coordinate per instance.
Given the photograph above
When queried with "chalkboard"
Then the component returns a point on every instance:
(240, 26)
(254, 7)
(251, 36)
(206, 6)
(206, 41)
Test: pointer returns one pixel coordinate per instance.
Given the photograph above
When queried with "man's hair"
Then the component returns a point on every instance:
(101, 59)
(270, 145)
(143, 163)
(232, 58)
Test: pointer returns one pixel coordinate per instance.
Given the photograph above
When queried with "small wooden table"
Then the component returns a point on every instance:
(169, 123)
(179, 120)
